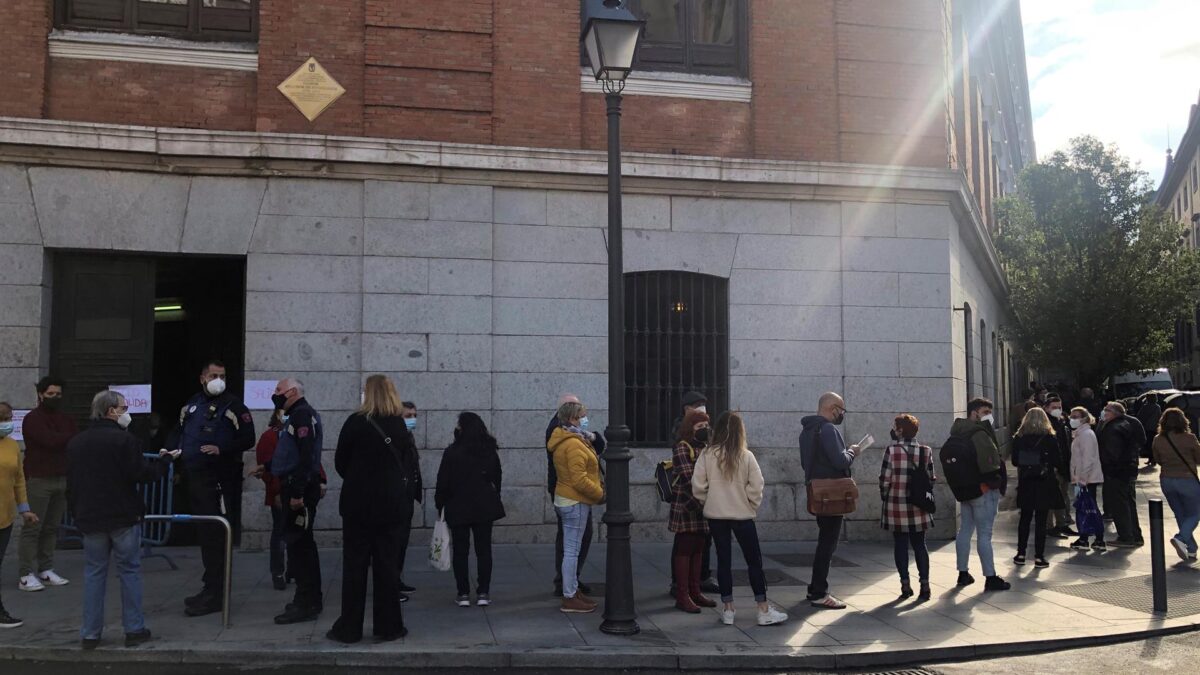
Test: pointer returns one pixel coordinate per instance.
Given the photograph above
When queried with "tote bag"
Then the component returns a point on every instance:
(439, 545)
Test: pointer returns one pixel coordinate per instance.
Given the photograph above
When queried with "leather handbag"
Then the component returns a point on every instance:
(832, 496)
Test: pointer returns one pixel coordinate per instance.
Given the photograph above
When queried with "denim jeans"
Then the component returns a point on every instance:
(124, 546)
(1183, 496)
(978, 515)
(574, 521)
(902, 540)
(747, 538)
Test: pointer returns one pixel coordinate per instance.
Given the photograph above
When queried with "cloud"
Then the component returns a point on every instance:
(1122, 70)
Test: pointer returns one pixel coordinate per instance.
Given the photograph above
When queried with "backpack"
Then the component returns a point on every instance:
(960, 466)
(664, 481)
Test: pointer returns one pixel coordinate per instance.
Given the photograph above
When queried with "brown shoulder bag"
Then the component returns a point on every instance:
(831, 496)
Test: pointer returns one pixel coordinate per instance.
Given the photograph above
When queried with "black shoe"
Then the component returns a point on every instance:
(141, 637)
(203, 597)
(1079, 544)
(709, 585)
(392, 637)
(965, 579)
(906, 590)
(297, 614)
(405, 588)
(88, 644)
(333, 635)
(926, 592)
(1066, 529)
(1040, 562)
(280, 583)
(403, 597)
(1019, 559)
(1099, 545)
(996, 584)
(1058, 533)
(8, 620)
(584, 588)
(211, 607)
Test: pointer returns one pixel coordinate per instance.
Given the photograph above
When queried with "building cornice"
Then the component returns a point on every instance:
(678, 85)
(152, 49)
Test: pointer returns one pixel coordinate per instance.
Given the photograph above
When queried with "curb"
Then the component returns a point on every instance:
(579, 658)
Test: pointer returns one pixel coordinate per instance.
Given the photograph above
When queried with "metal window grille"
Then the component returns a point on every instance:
(970, 357)
(984, 382)
(676, 340)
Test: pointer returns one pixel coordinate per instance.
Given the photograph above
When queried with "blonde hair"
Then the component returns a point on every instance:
(1036, 422)
(570, 410)
(380, 398)
(729, 442)
(1087, 415)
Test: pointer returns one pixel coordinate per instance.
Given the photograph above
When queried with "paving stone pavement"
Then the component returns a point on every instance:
(524, 629)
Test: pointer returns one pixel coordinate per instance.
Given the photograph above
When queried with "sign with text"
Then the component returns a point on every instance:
(18, 423)
(311, 89)
(258, 394)
(137, 396)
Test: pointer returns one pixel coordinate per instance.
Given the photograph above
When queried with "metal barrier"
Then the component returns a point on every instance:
(159, 500)
(228, 590)
(1158, 558)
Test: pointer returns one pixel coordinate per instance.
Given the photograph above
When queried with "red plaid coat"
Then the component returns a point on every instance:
(898, 459)
(687, 514)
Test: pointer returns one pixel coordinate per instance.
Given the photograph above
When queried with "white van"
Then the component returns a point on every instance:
(1136, 383)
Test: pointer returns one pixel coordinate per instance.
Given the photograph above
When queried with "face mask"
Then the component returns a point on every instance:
(583, 423)
(701, 408)
(52, 403)
(987, 418)
(124, 420)
(6, 429)
(215, 387)
(702, 435)
(841, 417)
(895, 436)
(1076, 422)
(411, 423)
(1056, 414)
(279, 401)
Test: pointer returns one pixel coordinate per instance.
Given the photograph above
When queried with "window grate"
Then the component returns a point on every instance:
(676, 340)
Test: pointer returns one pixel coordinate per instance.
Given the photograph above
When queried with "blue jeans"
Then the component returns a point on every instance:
(1183, 495)
(746, 533)
(574, 522)
(125, 547)
(978, 515)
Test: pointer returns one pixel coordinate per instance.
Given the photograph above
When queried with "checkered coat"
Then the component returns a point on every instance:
(687, 514)
(898, 462)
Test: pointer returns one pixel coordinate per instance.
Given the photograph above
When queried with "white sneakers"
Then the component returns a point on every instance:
(37, 582)
(771, 617)
(727, 616)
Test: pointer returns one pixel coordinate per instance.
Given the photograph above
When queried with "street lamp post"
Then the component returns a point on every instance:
(611, 34)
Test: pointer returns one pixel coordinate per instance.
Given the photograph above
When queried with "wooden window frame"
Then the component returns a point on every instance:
(686, 57)
(192, 21)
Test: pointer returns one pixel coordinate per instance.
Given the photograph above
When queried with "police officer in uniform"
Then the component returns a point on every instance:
(297, 464)
(215, 428)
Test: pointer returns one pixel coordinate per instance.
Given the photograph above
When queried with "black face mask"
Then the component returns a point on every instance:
(840, 418)
(279, 400)
(702, 436)
(52, 403)
(895, 436)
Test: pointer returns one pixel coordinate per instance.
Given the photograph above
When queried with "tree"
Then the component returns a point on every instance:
(1098, 274)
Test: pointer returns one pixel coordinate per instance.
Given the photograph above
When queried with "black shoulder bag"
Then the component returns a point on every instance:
(920, 485)
(387, 440)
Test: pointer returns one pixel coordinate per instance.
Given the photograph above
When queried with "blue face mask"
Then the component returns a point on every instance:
(583, 423)
(411, 423)
(6, 429)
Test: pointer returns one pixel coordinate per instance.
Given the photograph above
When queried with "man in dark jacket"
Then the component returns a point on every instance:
(47, 430)
(1121, 438)
(297, 465)
(215, 428)
(105, 466)
(823, 454)
(1062, 433)
(598, 442)
(1087, 399)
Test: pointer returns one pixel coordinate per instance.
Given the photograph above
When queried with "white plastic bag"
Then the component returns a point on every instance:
(439, 545)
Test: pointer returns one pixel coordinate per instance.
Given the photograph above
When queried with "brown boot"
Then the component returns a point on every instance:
(683, 574)
(694, 583)
(579, 595)
(576, 605)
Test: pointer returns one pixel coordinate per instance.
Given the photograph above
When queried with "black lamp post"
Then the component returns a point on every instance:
(611, 34)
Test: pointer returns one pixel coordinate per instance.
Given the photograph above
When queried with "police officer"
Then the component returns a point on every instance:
(297, 465)
(215, 428)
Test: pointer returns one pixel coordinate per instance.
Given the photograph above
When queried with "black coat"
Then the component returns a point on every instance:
(468, 485)
(1037, 459)
(105, 465)
(1121, 441)
(378, 482)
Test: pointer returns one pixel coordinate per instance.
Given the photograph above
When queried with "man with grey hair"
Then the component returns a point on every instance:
(297, 465)
(105, 465)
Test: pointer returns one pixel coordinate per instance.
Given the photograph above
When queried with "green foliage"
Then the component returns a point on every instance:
(1098, 274)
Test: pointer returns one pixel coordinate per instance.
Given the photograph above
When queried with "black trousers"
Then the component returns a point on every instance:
(830, 528)
(1028, 514)
(746, 532)
(278, 551)
(460, 541)
(375, 546)
(902, 541)
(404, 534)
(558, 549)
(303, 561)
(231, 490)
(1120, 500)
(203, 485)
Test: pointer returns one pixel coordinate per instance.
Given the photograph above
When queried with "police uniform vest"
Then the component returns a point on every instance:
(286, 459)
(207, 421)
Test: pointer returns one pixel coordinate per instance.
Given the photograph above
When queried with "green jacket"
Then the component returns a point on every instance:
(983, 437)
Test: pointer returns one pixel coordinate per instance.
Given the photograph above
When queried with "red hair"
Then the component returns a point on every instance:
(687, 430)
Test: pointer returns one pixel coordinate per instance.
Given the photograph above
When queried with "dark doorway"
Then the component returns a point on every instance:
(147, 320)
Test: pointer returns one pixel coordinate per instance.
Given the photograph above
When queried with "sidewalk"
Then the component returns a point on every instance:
(524, 629)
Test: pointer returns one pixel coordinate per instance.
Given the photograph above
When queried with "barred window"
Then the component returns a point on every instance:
(232, 20)
(676, 340)
(983, 362)
(968, 337)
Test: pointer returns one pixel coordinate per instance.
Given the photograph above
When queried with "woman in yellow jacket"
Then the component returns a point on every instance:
(578, 489)
(13, 499)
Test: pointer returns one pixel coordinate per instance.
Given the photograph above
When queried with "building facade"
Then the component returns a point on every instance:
(1177, 195)
(808, 208)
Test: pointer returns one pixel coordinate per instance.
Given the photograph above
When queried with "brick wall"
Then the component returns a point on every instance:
(23, 32)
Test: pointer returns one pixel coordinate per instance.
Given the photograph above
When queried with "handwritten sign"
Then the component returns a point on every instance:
(258, 394)
(18, 423)
(137, 396)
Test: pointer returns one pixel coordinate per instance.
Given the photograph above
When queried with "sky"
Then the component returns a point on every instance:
(1125, 71)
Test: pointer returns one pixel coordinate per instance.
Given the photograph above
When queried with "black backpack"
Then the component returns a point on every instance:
(920, 485)
(960, 466)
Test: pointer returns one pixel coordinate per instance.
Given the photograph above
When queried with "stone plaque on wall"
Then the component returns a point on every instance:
(311, 89)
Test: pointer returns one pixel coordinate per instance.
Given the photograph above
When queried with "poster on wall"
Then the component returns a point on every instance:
(18, 419)
(137, 396)
(258, 394)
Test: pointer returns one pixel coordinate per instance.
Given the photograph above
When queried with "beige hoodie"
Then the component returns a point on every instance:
(735, 498)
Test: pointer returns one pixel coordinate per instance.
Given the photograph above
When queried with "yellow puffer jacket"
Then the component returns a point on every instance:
(577, 466)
